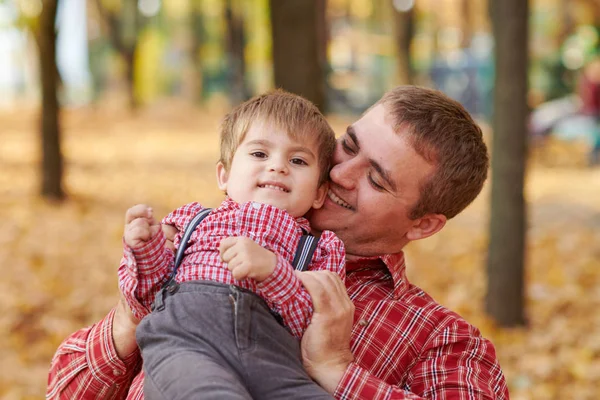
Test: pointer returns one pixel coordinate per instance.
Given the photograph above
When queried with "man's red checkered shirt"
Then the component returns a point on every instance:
(405, 346)
(144, 270)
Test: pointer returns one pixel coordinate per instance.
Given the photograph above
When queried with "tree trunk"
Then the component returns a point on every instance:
(467, 24)
(505, 268)
(197, 40)
(238, 89)
(296, 50)
(52, 161)
(123, 33)
(404, 31)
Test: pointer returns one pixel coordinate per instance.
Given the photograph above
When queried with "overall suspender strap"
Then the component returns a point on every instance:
(171, 286)
(304, 252)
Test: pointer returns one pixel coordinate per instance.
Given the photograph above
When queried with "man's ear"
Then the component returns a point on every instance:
(320, 197)
(222, 176)
(426, 226)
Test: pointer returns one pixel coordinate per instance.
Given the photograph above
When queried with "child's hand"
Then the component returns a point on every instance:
(247, 259)
(140, 226)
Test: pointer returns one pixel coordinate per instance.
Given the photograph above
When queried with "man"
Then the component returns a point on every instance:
(414, 160)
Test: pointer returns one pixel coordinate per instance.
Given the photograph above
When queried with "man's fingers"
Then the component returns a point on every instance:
(326, 290)
(316, 286)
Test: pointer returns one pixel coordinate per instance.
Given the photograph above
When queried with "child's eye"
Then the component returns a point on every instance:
(258, 154)
(298, 161)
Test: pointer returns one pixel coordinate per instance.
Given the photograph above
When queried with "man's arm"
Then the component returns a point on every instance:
(99, 361)
(457, 364)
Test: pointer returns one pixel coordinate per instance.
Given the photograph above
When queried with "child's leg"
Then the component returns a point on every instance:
(269, 354)
(189, 348)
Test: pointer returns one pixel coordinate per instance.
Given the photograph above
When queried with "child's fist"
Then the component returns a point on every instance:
(140, 226)
(247, 259)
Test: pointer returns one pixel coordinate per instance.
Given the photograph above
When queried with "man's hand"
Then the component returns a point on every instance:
(325, 345)
(123, 329)
(247, 259)
(140, 226)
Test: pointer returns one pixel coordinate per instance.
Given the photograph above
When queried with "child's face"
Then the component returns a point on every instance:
(269, 167)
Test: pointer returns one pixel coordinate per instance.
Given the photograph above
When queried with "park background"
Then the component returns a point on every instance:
(123, 106)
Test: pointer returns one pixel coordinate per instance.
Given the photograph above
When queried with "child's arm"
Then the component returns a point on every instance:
(275, 276)
(146, 262)
(146, 266)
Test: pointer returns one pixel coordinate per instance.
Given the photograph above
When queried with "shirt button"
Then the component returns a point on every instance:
(363, 322)
(116, 372)
(255, 205)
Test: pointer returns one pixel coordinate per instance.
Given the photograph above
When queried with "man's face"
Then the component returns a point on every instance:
(374, 184)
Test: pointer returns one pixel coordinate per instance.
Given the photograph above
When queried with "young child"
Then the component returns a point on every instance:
(218, 335)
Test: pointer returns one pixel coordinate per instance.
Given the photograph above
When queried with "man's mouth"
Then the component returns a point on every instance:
(339, 201)
(274, 186)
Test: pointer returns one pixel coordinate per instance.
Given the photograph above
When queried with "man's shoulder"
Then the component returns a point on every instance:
(440, 318)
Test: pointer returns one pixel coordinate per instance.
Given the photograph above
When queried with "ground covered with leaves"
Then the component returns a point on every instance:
(60, 260)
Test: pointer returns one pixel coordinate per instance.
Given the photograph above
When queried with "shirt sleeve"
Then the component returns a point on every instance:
(86, 366)
(458, 364)
(144, 270)
(285, 290)
(142, 273)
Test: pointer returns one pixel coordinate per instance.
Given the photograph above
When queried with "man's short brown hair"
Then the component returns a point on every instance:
(443, 133)
(300, 118)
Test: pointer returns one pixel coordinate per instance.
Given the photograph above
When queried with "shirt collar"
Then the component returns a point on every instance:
(229, 204)
(393, 263)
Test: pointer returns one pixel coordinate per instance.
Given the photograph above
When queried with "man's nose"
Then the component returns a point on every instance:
(344, 174)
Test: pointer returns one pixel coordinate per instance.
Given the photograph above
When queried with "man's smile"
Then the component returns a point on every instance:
(338, 200)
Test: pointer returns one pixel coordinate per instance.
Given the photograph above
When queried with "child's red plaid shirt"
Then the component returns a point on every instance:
(144, 270)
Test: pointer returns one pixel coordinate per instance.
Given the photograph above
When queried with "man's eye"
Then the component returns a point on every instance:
(376, 185)
(347, 147)
(259, 154)
(298, 161)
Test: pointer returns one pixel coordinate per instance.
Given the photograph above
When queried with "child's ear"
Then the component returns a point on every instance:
(222, 176)
(321, 194)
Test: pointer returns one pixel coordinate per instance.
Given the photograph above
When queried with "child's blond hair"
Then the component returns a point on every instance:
(300, 118)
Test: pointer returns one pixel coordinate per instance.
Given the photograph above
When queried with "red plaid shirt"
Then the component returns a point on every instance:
(144, 270)
(405, 345)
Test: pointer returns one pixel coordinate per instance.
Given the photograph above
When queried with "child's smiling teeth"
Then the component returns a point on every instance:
(267, 186)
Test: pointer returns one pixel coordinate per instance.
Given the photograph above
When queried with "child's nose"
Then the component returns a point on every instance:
(278, 165)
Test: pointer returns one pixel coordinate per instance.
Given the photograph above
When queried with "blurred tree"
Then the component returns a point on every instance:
(467, 24)
(198, 33)
(124, 24)
(236, 42)
(297, 27)
(505, 267)
(52, 159)
(404, 30)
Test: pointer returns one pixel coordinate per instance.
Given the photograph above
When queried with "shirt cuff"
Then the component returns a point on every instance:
(102, 358)
(282, 284)
(146, 258)
(358, 383)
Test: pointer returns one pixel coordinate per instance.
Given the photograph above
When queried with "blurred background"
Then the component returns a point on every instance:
(109, 103)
